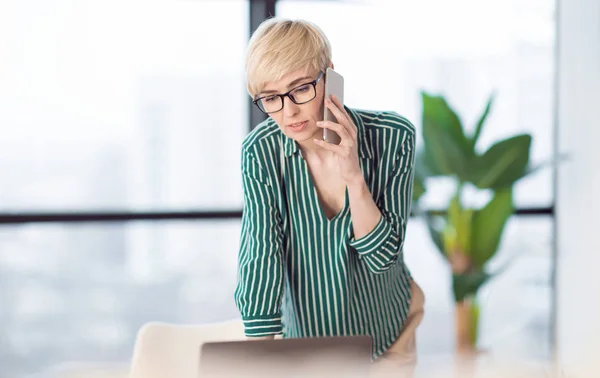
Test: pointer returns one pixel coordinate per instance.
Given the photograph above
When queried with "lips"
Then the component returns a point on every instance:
(298, 126)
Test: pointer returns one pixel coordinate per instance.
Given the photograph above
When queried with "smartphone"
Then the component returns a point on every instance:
(334, 85)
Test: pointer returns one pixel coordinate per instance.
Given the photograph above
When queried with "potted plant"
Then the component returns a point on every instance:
(468, 236)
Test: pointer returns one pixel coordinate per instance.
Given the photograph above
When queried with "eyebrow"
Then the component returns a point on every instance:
(290, 85)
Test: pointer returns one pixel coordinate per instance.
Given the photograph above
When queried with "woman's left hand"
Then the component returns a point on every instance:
(347, 151)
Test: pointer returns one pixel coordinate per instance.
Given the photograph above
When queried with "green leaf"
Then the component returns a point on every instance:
(418, 187)
(481, 121)
(464, 231)
(488, 225)
(447, 150)
(454, 212)
(467, 284)
(439, 115)
(534, 168)
(436, 235)
(503, 163)
(460, 220)
(424, 167)
(442, 156)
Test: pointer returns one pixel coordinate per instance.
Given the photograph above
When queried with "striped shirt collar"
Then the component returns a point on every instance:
(364, 149)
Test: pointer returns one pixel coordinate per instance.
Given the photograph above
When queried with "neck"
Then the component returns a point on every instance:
(309, 148)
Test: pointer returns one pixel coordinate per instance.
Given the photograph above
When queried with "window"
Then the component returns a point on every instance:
(122, 106)
(79, 293)
(116, 106)
(464, 49)
(515, 306)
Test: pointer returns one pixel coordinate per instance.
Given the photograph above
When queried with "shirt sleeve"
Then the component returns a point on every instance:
(260, 272)
(381, 248)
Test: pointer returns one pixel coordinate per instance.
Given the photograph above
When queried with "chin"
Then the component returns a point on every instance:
(308, 134)
(304, 136)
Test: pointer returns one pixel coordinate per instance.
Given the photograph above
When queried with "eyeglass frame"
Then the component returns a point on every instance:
(287, 94)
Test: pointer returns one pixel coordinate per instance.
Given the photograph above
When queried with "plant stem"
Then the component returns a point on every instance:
(459, 188)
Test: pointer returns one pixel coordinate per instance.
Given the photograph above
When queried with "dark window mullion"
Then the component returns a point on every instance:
(60, 217)
(260, 10)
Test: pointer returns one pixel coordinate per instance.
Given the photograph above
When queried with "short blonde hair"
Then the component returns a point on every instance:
(280, 46)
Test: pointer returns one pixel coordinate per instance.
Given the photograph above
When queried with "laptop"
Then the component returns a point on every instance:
(331, 357)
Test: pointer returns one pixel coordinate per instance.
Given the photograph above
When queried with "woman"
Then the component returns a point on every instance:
(323, 225)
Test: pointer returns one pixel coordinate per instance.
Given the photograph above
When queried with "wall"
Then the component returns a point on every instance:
(578, 189)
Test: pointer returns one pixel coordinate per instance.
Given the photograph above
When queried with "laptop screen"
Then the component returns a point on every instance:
(332, 357)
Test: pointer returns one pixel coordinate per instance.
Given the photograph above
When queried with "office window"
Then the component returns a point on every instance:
(390, 50)
(122, 105)
(516, 306)
(78, 293)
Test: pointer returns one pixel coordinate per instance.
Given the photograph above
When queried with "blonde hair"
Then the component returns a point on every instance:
(280, 46)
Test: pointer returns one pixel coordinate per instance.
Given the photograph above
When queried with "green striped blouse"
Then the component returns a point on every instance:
(303, 275)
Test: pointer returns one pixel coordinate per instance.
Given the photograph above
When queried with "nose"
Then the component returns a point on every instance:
(289, 108)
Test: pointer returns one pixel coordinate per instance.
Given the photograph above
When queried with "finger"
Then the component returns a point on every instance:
(340, 106)
(343, 110)
(337, 108)
(341, 130)
(335, 148)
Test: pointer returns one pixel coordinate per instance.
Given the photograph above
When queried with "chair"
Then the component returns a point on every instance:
(165, 350)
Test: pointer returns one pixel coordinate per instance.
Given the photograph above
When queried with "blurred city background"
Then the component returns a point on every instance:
(140, 106)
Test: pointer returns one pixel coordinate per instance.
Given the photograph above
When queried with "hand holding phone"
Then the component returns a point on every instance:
(334, 85)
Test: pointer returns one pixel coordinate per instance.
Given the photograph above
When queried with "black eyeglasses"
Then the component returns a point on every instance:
(299, 95)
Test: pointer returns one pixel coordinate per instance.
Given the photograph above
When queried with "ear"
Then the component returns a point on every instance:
(331, 65)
